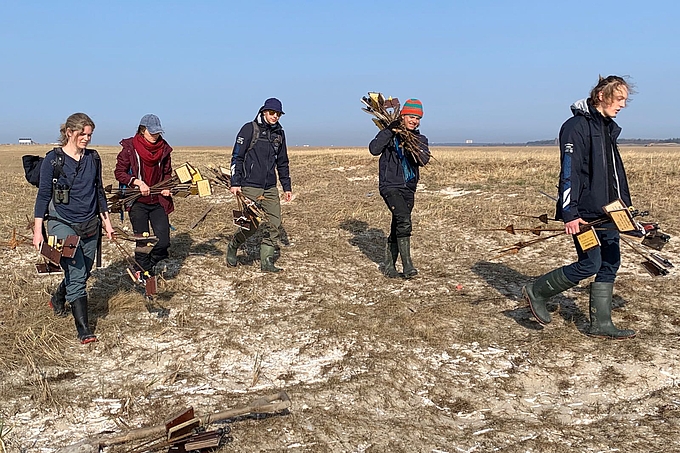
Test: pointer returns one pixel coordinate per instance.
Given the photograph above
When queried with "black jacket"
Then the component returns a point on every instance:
(258, 167)
(583, 186)
(391, 171)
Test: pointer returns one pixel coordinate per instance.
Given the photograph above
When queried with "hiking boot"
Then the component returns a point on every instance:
(58, 301)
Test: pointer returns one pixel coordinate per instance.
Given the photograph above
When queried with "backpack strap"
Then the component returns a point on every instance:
(255, 137)
(57, 165)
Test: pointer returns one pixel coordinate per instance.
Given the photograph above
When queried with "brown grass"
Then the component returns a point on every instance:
(449, 361)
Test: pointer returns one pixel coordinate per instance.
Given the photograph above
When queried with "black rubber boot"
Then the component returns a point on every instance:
(404, 245)
(601, 324)
(391, 254)
(231, 254)
(545, 286)
(79, 309)
(267, 259)
(58, 301)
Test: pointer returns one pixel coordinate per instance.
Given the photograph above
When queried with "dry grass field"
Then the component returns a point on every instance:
(450, 361)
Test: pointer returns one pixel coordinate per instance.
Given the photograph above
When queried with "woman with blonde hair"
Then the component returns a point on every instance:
(71, 198)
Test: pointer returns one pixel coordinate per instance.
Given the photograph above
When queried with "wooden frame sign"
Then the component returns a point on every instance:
(588, 239)
(620, 215)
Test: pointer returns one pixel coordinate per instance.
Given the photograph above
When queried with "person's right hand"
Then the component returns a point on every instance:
(574, 227)
(37, 239)
(143, 188)
(235, 189)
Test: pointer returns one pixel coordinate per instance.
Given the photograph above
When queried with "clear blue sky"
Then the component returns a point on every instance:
(491, 71)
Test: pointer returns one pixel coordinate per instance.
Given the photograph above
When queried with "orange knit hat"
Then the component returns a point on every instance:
(412, 107)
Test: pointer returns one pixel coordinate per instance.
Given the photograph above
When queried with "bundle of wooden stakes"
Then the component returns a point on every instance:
(249, 214)
(186, 181)
(387, 113)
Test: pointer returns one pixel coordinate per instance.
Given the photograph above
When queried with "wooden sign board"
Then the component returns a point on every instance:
(47, 268)
(203, 188)
(183, 173)
(588, 239)
(620, 215)
(70, 245)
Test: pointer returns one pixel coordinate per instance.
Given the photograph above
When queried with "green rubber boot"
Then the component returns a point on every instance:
(545, 286)
(391, 254)
(601, 324)
(404, 245)
(267, 259)
(231, 254)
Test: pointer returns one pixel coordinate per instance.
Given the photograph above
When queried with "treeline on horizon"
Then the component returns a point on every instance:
(621, 141)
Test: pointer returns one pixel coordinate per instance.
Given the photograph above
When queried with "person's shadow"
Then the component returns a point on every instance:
(113, 278)
(370, 241)
(509, 282)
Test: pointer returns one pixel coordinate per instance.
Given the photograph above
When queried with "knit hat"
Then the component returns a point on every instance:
(272, 104)
(412, 107)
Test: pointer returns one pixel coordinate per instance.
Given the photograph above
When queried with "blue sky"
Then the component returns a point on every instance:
(490, 71)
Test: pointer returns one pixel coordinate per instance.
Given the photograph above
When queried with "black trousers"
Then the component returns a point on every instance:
(400, 203)
(141, 215)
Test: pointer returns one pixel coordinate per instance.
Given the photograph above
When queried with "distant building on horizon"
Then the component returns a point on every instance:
(27, 141)
(468, 141)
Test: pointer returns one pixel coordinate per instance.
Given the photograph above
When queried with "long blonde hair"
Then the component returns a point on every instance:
(76, 123)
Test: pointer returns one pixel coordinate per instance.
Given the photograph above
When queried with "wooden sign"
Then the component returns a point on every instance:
(588, 239)
(620, 215)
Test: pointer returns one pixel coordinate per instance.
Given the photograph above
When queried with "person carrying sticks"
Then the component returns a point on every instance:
(591, 176)
(260, 153)
(143, 162)
(402, 150)
(73, 202)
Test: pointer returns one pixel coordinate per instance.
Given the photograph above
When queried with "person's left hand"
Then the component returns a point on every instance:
(110, 232)
(165, 192)
(287, 196)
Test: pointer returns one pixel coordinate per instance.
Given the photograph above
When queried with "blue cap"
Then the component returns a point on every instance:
(152, 124)
(272, 104)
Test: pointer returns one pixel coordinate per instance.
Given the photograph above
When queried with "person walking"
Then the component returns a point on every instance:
(260, 153)
(591, 176)
(143, 162)
(398, 177)
(73, 202)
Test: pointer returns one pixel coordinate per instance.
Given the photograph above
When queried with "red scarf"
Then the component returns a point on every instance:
(150, 154)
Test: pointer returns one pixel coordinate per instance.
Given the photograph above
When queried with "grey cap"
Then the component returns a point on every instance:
(152, 123)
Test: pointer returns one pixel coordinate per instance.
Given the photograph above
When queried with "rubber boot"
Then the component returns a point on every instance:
(231, 254)
(58, 301)
(267, 259)
(79, 309)
(391, 254)
(601, 324)
(404, 245)
(545, 286)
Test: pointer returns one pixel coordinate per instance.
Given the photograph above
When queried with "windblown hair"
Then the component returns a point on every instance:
(608, 87)
(76, 123)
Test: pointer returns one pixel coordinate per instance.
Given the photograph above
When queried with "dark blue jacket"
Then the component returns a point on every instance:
(391, 171)
(583, 186)
(258, 167)
(86, 198)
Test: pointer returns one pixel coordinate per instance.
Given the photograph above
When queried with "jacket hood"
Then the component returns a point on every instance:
(580, 107)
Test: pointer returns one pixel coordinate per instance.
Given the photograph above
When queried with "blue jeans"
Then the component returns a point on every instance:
(602, 261)
(76, 269)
